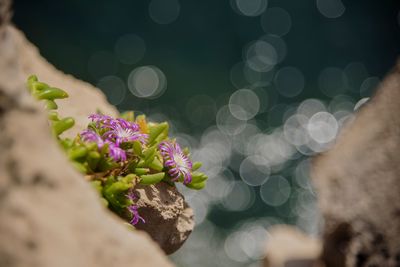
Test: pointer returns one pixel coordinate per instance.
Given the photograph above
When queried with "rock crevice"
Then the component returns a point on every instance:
(49, 215)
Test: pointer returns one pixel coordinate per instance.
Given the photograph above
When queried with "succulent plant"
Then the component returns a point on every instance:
(116, 154)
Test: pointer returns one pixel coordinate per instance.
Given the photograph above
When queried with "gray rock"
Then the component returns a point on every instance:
(358, 184)
(49, 215)
(169, 220)
(288, 246)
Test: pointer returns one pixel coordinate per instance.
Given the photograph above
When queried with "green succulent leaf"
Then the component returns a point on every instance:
(156, 165)
(115, 191)
(196, 186)
(80, 167)
(93, 159)
(152, 178)
(158, 132)
(149, 153)
(51, 93)
(97, 186)
(53, 115)
(137, 148)
(66, 143)
(196, 165)
(141, 171)
(62, 125)
(115, 168)
(106, 164)
(50, 105)
(198, 177)
(128, 115)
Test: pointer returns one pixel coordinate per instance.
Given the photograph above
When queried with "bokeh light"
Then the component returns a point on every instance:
(240, 197)
(201, 110)
(278, 43)
(130, 49)
(147, 82)
(356, 73)
(322, 127)
(250, 8)
(332, 81)
(254, 88)
(276, 21)
(164, 11)
(368, 86)
(244, 104)
(261, 56)
(228, 123)
(289, 81)
(276, 191)
(102, 63)
(254, 170)
(114, 88)
(361, 102)
(331, 8)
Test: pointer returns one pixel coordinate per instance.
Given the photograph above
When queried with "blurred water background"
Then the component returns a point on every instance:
(253, 87)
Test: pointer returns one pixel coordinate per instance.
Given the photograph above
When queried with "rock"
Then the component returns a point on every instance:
(5, 13)
(287, 246)
(359, 187)
(169, 220)
(49, 215)
(84, 99)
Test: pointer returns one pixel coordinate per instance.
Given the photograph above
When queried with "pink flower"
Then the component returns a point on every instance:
(114, 151)
(176, 161)
(133, 209)
(123, 131)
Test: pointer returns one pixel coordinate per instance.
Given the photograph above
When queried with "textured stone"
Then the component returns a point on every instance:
(5, 12)
(169, 220)
(49, 215)
(83, 100)
(287, 246)
(359, 187)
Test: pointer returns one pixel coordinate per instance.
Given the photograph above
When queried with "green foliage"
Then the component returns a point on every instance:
(152, 178)
(113, 179)
(158, 132)
(196, 186)
(115, 190)
(42, 91)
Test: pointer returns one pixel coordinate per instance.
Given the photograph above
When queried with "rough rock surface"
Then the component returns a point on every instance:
(287, 246)
(49, 215)
(5, 13)
(358, 184)
(83, 100)
(164, 208)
